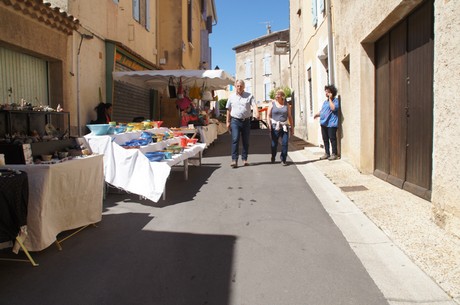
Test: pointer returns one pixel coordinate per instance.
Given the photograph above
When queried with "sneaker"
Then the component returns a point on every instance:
(324, 157)
(283, 163)
(245, 163)
(234, 164)
(333, 157)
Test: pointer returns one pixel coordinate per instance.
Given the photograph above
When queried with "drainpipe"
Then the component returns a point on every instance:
(330, 49)
(254, 69)
(83, 36)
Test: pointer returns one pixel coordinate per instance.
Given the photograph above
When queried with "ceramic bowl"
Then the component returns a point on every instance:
(155, 156)
(168, 154)
(46, 157)
(192, 141)
(62, 154)
(99, 129)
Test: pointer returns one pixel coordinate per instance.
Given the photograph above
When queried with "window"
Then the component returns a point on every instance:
(136, 10)
(141, 12)
(147, 15)
(248, 86)
(189, 21)
(317, 11)
(267, 88)
(314, 13)
(204, 12)
(310, 90)
(267, 64)
(205, 51)
(248, 69)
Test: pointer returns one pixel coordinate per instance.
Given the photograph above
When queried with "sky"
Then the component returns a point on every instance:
(240, 21)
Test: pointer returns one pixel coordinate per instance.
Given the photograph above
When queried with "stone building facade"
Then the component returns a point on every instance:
(392, 64)
(78, 44)
(263, 63)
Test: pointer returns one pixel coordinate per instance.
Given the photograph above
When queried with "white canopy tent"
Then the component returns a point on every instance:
(159, 79)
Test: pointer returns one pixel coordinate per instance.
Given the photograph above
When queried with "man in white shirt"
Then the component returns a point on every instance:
(239, 121)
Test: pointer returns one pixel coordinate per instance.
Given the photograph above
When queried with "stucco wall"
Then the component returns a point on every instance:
(170, 47)
(446, 147)
(355, 35)
(313, 59)
(104, 21)
(308, 51)
(26, 35)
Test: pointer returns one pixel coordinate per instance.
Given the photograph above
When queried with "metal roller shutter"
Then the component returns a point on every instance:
(131, 101)
(23, 77)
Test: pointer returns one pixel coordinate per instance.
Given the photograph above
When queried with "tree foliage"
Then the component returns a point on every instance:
(223, 103)
(286, 89)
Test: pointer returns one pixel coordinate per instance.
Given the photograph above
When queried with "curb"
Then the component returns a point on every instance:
(395, 274)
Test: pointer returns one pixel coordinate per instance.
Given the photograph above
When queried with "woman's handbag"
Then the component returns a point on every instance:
(171, 88)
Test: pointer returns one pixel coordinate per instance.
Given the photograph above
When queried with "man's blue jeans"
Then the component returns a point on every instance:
(276, 134)
(240, 128)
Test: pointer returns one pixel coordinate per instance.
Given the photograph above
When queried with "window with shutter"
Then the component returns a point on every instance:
(248, 87)
(204, 47)
(267, 89)
(189, 23)
(147, 15)
(204, 11)
(248, 66)
(136, 10)
(314, 13)
(267, 64)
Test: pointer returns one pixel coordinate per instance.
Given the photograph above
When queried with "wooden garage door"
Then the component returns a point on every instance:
(404, 103)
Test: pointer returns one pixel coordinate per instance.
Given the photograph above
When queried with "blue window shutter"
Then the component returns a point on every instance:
(267, 64)
(147, 15)
(136, 10)
(248, 69)
(321, 6)
(314, 14)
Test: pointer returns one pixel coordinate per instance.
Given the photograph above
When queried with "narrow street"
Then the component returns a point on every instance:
(246, 236)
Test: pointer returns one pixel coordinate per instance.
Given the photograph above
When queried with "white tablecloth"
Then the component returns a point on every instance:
(208, 133)
(221, 126)
(131, 170)
(62, 197)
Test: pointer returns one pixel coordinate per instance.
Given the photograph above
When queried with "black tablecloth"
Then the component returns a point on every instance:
(14, 196)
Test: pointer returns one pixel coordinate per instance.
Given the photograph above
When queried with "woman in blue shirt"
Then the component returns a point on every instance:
(329, 121)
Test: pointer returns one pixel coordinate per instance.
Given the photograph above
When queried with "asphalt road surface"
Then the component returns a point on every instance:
(254, 235)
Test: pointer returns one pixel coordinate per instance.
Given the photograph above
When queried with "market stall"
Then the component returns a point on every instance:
(62, 196)
(193, 88)
(131, 170)
(160, 79)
